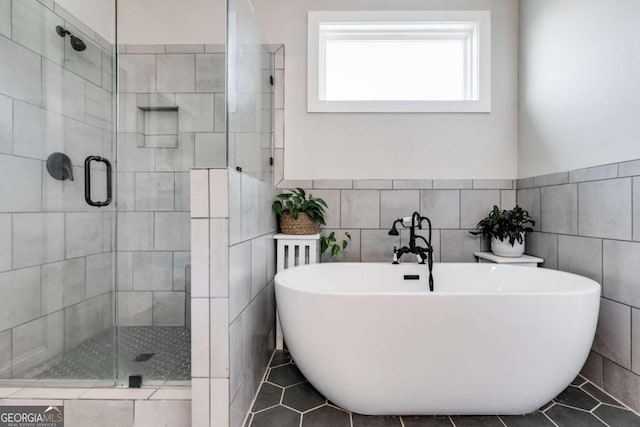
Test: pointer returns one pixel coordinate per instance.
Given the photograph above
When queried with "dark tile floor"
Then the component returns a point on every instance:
(94, 358)
(286, 399)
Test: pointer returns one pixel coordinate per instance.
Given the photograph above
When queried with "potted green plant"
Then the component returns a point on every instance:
(300, 213)
(506, 230)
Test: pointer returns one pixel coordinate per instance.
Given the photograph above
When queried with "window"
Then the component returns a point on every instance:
(417, 61)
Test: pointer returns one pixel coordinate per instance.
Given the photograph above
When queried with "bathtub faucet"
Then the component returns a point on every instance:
(422, 254)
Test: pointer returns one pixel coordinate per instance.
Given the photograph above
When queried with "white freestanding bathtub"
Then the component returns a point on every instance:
(491, 339)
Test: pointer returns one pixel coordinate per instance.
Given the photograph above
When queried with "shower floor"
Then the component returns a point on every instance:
(169, 347)
(286, 399)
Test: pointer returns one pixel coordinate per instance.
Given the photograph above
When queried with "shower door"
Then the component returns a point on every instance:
(57, 259)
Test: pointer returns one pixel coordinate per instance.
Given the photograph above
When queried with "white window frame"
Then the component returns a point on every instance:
(474, 27)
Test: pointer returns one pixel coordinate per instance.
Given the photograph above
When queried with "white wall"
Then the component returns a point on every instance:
(361, 146)
(99, 15)
(579, 95)
(171, 21)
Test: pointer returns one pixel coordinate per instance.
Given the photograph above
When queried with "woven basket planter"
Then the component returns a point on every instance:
(300, 226)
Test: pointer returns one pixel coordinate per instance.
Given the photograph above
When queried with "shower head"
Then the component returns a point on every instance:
(76, 42)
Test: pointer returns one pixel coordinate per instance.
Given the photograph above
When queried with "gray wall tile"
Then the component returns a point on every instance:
(5, 350)
(396, 204)
(135, 308)
(184, 48)
(239, 278)
(250, 207)
(529, 200)
(172, 231)
(631, 168)
(154, 191)
(493, 184)
(551, 179)
(143, 48)
(377, 246)
(5, 242)
(63, 284)
(442, 207)
(605, 209)
(20, 184)
(507, 199)
(235, 207)
(636, 208)
(38, 238)
(180, 262)
(125, 193)
(82, 321)
(63, 91)
(81, 141)
(594, 173)
(20, 72)
(593, 369)
(36, 341)
(99, 107)
(333, 183)
(475, 205)
(124, 271)
(135, 231)
(635, 340)
(65, 196)
(332, 198)
(580, 255)
(372, 184)
(6, 124)
(524, 183)
(219, 116)
(182, 192)
(100, 271)
(131, 158)
(36, 132)
(613, 336)
(83, 234)
(195, 112)
(176, 73)
(623, 384)
(458, 246)
(360, 208)
(559, 211)
(168, 309)
(452, 184)
(22, 298)
(621, 271)
(259, 265)
(5, 19)
(35, 28)
(87, 63)
(152, 271)
(210, 69)
(137, 73)
(545, 246)
(210, 150)
(412, 184)
(174, 160)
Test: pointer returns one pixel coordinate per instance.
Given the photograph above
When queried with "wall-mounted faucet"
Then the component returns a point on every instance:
(422, 254)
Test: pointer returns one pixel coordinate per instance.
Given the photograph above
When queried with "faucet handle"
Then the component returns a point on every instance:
(395, 255)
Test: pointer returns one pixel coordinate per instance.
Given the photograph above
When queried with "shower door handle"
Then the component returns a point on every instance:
(87, 180)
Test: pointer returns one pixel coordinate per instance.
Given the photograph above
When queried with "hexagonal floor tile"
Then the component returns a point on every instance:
(617, 416)
(535, 419)
(280, 358)
(426, 422)
(564, 416)
(302, 397)
(269, 395)
(477, 421)
(373, 421)
(285, 375)
(573, 396)
(278, 416)
(326, 416)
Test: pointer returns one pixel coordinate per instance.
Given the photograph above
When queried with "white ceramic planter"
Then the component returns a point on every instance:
(504, 248)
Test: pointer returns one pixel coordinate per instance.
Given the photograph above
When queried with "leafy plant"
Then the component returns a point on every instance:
(506, 224)
(297, 201)
(330, 241)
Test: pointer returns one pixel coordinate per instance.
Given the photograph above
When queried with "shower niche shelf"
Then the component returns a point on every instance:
(159, 126)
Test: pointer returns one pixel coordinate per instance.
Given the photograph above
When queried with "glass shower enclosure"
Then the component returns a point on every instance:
(97, 139)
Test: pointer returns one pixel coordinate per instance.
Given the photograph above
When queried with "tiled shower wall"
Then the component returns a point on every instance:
(171, 119)
(233, 299)
(367, 208)
(55, 250)
(588, 222)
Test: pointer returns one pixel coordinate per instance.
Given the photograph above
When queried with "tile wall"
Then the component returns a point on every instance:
(367, 208)
(588, 223)
(172, 118)
(56, 254)
(233, 301)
